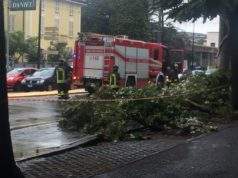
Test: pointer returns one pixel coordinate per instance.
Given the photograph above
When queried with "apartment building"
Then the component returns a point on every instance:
(60, 21)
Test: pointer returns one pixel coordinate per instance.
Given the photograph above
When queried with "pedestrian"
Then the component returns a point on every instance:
(114, 78)
(63, 73)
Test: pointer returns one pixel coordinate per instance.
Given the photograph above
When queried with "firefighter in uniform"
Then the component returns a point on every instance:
(63, 73)
(114, 78)
(160, 80)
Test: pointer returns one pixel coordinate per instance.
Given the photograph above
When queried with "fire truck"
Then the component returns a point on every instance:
(95, 55)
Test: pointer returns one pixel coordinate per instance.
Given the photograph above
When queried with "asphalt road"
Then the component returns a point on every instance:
(34, 127)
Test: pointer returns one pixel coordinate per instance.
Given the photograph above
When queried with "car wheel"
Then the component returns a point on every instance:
(27, 89)
(17, 87)
(49, 88)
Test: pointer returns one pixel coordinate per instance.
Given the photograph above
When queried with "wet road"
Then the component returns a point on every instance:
(34, 127)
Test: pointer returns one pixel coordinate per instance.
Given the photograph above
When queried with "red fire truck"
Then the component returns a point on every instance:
(95, 56)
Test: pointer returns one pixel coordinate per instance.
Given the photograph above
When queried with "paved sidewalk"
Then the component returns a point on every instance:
(214, 156)
(86, 162)
(40, 93)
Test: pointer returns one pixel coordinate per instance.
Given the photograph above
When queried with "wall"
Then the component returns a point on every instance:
(213, 37)
(31, 19)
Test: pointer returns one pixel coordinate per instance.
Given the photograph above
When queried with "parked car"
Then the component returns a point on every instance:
(43, 79)
(197, 72)
(211, 71)
(15, 77)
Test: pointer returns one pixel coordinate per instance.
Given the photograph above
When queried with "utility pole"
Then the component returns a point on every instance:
(23, 22)
(39, 38)
(193, 45)
(7, 162)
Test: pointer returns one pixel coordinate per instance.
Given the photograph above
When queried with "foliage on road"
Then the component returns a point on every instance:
(187, 106)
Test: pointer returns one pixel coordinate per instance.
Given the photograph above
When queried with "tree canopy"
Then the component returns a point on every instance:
(138, 19)
(121, 17)
(194, 9)
(208, 9)
(62, 49)
(19, 46)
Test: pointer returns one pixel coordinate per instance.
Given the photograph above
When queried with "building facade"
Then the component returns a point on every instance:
(60, 21)
(213, 39)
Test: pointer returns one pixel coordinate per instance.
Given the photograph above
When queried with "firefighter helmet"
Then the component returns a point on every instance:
(115, 67)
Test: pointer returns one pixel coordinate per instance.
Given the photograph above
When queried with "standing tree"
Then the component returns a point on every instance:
(223, 54)
(7, 163)
(62, 49)
(31, 49)
(17, 46)
(209, 9)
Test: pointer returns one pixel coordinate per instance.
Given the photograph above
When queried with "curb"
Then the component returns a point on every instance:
(71, 146)
(43, 95)
(31, 125)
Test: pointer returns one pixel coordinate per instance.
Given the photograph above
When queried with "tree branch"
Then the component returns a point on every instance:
(198, 106)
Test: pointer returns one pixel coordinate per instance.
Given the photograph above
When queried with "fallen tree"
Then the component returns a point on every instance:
(188, 105)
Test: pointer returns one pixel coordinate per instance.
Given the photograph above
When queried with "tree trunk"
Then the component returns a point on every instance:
(233, 45)
(224, 57)
(8, 166)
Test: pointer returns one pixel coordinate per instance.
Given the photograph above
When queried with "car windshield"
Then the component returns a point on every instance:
(44, 73)
(15, 71)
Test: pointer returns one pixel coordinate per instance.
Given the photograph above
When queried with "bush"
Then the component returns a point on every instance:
(187, 106)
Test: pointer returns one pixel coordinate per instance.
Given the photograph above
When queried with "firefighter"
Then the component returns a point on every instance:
(173, 73)
(176, 72)
(160, 80)
(114, 78)
(168, 76)
(63, 73)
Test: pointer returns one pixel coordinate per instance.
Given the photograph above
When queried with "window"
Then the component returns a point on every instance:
(57, 6)
(28, 72)
(56, 23)
(156, 54)
(12, 23)
(71, 28)
(71, 9)
(43, 25)
(213, 44)
(131, 81)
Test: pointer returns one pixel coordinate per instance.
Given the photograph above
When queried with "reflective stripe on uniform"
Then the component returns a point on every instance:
(60, 75)
(113, 80)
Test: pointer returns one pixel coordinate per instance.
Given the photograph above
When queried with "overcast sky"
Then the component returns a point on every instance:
(209, 26)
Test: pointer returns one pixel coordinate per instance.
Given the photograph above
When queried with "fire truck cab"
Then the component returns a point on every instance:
(95, 55)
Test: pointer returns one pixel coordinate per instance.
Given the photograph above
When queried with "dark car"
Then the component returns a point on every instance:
(15, 77)
(43, 79)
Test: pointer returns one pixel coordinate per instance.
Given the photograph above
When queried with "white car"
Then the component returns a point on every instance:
(211, 71)
(197, 72)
